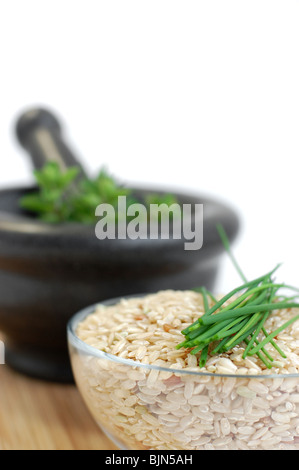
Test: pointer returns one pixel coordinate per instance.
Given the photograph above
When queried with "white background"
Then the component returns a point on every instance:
(197, 95)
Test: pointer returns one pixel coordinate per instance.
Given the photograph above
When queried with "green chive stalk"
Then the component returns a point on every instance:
(240, 316)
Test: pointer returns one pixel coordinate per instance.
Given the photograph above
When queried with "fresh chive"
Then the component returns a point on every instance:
(242, 319)
(224, 299)
(241, 338)
(247, 310)
(275, 345)
(256, 333)
(273, 334)
(231, 330)
(204, 356)
(261, 357)
(226, 245)
(249, 324)
(199, 348)
(205, 350)
(208, 333)
(204, 293)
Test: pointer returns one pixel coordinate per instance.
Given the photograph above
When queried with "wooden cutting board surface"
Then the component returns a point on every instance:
(37, 415)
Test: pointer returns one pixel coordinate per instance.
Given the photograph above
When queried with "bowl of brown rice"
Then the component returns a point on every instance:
(147, 395)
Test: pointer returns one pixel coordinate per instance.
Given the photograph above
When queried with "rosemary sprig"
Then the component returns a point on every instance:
(225, 325)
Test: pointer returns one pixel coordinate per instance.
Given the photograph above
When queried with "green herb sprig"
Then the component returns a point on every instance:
(62, 198)
(231, 321)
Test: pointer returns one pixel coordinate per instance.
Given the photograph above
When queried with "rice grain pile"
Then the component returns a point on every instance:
(148, 408)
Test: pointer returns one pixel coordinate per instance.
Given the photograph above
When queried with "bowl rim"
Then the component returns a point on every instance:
(80, 345)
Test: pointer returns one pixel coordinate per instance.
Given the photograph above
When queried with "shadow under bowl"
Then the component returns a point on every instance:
(48, 272)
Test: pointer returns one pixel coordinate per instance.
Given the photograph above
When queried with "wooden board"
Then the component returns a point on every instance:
(37, 415)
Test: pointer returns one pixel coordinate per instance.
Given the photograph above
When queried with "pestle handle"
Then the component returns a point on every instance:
(40, 133)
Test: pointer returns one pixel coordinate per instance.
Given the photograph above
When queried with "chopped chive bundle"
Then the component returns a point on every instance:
(240, 317)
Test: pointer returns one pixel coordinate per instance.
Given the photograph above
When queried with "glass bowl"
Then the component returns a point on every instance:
(146, 407)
